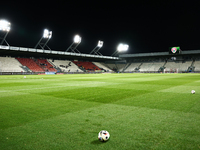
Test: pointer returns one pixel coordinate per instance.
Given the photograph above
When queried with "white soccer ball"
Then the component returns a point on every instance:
(103, 136)
(193, 91)
(24, 77)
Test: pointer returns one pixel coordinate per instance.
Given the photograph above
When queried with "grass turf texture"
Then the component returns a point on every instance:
(140, 111)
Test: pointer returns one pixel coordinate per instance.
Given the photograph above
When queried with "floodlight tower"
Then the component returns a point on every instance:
(74, 45)
(121, 48)
(45, 38)
(97, 48)
(4, 27)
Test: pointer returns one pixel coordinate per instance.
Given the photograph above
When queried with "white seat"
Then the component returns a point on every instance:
(8, 64)
(64, 65)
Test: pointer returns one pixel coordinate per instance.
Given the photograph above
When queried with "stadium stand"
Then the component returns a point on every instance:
(177, 66)
(112, 66)
(151, 66)
(147, 67)
(65, 65)
(31, 64)
(185, 65)
(8, 64)
(89, 66)
(116, 67)
(165, 65)
(197, 65)
(133, 67)
(102, 65)
(45, 65)
(171, 67)
(157, 65)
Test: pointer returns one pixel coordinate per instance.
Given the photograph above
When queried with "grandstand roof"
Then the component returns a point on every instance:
(190, 52)
(40, 53)
(52, 54)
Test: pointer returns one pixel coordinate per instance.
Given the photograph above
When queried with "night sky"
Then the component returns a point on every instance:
(147, 26)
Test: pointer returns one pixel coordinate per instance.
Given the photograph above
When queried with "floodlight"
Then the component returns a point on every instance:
(100, 44)
(95, 51)
(44, 39)
(77, 39)
(50, 34)
(122, 47)
(47, 34)
(4, 25)
(74, 45)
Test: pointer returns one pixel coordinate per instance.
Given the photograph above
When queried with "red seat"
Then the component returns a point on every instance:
(46, 65)
(86, 65)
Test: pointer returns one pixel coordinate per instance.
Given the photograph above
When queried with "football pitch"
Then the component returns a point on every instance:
(140, 111)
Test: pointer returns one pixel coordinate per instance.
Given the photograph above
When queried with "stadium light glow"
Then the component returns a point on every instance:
(47, 34)
(122, 47)
(74, 45)
(77, 39)
(100, 44)
(5, 25)
(44, 39)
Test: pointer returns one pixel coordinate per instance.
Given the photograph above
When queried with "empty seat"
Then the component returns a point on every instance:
(31, 64)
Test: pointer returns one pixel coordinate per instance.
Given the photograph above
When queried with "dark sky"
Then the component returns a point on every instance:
(147, 26)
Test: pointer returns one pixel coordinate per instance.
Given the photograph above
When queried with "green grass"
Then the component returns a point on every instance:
(140, 111)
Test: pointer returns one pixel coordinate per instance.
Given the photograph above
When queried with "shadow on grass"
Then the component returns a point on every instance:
(95, 142)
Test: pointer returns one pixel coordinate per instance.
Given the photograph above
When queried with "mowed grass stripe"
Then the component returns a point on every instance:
(159, 100)
(18, 110)
(99, 94)
(141, 111)
(130, 127)
(52, 85)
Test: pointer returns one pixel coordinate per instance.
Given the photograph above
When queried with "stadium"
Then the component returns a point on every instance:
(20, 60)
(52, 99)
(41, 59)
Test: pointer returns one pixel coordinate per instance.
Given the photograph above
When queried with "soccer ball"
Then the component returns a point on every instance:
(103, 136)
(193, 91)
(24, 77)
